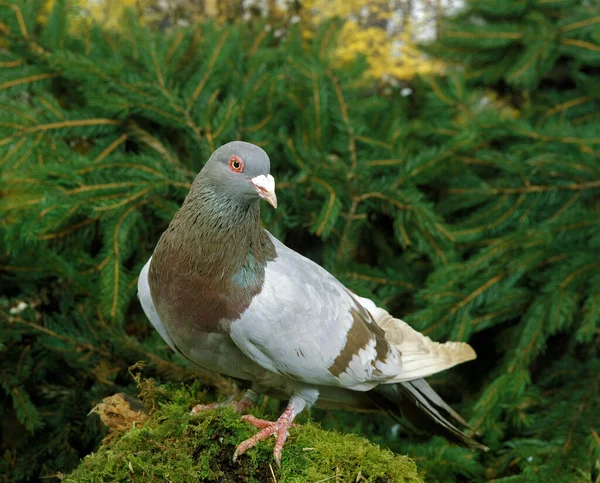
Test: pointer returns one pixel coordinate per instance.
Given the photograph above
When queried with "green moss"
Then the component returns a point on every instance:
(175, 446)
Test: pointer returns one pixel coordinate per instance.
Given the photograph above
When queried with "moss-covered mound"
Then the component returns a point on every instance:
(177, 447)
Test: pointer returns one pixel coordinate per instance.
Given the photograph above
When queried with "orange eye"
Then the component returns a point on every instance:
(236, 164)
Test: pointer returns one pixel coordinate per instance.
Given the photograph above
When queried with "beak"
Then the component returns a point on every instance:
(265, 187)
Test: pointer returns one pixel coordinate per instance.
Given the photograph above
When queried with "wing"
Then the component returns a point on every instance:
(306, 325)
(421, 357)
(149, 308)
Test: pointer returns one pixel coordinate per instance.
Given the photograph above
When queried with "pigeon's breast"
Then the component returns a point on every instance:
(190, 301)
(191, 334)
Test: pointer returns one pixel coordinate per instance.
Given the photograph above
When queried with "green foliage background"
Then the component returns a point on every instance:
(470, 208)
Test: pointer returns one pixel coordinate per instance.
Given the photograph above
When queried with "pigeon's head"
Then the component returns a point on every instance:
(242, 169)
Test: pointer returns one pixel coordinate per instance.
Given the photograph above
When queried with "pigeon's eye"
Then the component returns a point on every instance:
(236, 164)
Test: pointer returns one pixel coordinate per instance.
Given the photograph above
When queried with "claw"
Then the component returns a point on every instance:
(240, 406)
(200, 408)
(279, 428)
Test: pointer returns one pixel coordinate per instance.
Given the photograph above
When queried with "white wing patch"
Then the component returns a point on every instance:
(360, 365)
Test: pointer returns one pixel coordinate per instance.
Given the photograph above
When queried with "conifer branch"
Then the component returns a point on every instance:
(27, 80)
(496, 222)
(260, 125)
(208, 69)
(257, 41)
(350, 217)
(396, 203)
(379, 280)
(11, 63)
(72, 123)
(582, 44)
(346, 117)
(436, 247)
(68, 231)
(329, 33)
(566, 140)
(527, 189)
(580, 24)
(51, 108)
(12, 319)
(330, 204)
(317, 106)
(386, 162)
(110, 148)
(567, 105)
(116, 251)
(19, 15)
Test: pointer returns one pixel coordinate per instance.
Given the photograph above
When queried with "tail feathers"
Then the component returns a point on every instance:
(420, 356)
(425, 409)
(426, 390)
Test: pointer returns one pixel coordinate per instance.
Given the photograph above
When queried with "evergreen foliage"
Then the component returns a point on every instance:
(470, 208)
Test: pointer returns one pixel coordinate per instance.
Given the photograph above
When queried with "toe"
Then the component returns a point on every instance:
(199, 408)
(253, 441)
(254, 421)
(282, 435)
(278, 428)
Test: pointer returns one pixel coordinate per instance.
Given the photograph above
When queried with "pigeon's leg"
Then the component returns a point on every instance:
(278, 428)
(248, 400)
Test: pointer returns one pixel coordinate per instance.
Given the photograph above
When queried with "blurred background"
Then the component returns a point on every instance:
(439, 156)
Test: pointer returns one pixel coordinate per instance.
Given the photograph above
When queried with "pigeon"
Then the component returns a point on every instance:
(231, 298)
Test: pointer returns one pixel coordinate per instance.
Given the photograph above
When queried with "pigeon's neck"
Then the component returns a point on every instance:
(221, 236)
(210, 263)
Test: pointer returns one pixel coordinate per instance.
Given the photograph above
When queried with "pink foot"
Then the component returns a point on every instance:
(279, 428)
(240, 406)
